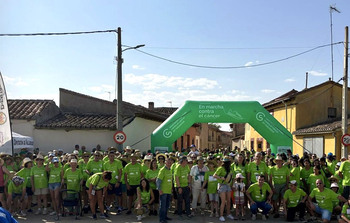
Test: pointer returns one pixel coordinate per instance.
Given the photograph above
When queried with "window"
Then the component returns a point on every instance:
(314, 145)
(332, 112)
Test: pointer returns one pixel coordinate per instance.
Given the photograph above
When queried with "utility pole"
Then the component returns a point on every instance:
(344, 151)
(331, 9)
(119, 118)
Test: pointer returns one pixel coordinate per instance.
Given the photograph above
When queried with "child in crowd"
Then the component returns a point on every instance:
(239, 190)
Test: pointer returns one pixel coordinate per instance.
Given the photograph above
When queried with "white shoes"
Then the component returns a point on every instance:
(264, 217)
(230, 217)
(254, 217)
(52, 213)
(22, 213)
(222, 218)
(44, 211)
(139, 217)
(38, 211)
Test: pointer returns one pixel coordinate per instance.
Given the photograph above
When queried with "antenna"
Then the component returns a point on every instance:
(331, 9)
(171, 103)
(109, 93)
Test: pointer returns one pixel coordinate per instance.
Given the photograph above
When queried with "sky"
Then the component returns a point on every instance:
(221, 34)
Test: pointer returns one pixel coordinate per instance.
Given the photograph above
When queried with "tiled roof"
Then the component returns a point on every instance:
(80, 121)
(27, 109)
(166, 110)
(285, 97)
(328, 127)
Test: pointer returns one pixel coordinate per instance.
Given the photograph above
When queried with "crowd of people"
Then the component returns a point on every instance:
(225, 184)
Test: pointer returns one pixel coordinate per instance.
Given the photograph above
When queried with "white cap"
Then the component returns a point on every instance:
(294, 182)
(239, 175)
(148, 157)
(334, 185)
(76, 152)
(74, 161)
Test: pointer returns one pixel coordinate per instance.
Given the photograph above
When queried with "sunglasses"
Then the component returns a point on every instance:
(257, 168)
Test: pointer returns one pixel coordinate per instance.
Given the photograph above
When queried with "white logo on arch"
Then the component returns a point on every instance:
(167, 133)
(260, 116)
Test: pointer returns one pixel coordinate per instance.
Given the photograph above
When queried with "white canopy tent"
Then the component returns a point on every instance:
(19, 142)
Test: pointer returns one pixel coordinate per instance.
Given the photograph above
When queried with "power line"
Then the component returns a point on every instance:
(60, 34)
(237, 67)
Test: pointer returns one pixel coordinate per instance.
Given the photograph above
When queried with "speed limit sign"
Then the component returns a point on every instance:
(345, 139)
(119, 137)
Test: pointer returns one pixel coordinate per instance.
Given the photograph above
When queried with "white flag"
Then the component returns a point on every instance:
(6, 144)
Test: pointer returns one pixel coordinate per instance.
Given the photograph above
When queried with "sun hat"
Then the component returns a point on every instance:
(279, 157)
(160, 155)
(40, 157)
(73, 161)
(294, 182)
(26, 160)
(148, 157)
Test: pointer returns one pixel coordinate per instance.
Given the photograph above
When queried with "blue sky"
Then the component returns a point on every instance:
(209, 33)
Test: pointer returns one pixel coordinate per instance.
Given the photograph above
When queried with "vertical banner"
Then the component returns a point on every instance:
(6, 144)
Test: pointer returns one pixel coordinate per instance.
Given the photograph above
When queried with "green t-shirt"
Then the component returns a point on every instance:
(134, 173)
(345, 170)
(311, 181)
(114, 167)
(279, 175)
(97, 180)
(346, 211)
(144, 168)
(182, 173)
(255, 171)
(145, 196)
(221, 172)
(166, 176)
(13, 189)
(150, 174)
(259, 194)
(325, 198)
(295, 171)
(240, 169)
(73, 179)
(40, 177)
(25, 174)
(82, 168)
(94, 167)
(293, 199)
(55, 174)
(212, 182)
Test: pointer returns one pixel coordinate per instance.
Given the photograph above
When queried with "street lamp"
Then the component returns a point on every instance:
(119, 118)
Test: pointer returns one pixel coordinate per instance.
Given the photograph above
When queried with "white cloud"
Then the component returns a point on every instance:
(249, 64)
(268, 91)
(317, 73)
(137, 67)
(15, 81)
(289, 80)
(157, 81)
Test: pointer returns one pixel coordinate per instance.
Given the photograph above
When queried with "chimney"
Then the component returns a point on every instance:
(151, 105)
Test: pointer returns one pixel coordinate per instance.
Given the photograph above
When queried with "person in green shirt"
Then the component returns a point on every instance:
(182, 179)
(27, 164)
(255, 169)
(132, 175)
(257, 195)
(305, 172)
(294, 201)
(16, 195)
(311, 181)
(97, 185)
(164, 183)
(324, 197)
(95, 165)
(345, 213)
(151, 176)
(39, 182)
(279, 178)
(145, 198)
(224, 176)
(161, 160)
(344, 173)
(55, 175)
(212, 184)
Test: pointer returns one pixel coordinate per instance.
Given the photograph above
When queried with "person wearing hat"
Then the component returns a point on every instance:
(211, 183)
(182, 181)
(161, 159)
(331, 162)
(257, 195)
(95, 165)
(255, 169)
(40, 183)
(114, 189)
(132, 176)
(279, 178)
(16, 190)
(146, 163)
(239, 191)
(324, 201)
(9, 163)
(27, 164)
(197, 180)
(294, 201)
(54, 170)
(224, 176)
(336, 205)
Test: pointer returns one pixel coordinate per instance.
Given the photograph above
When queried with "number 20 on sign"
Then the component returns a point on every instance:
(345, 139)
(119, 137)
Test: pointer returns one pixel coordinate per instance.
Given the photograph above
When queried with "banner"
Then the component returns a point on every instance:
(5, 125)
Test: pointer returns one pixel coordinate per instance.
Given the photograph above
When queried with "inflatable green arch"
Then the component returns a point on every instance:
(251, 112)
